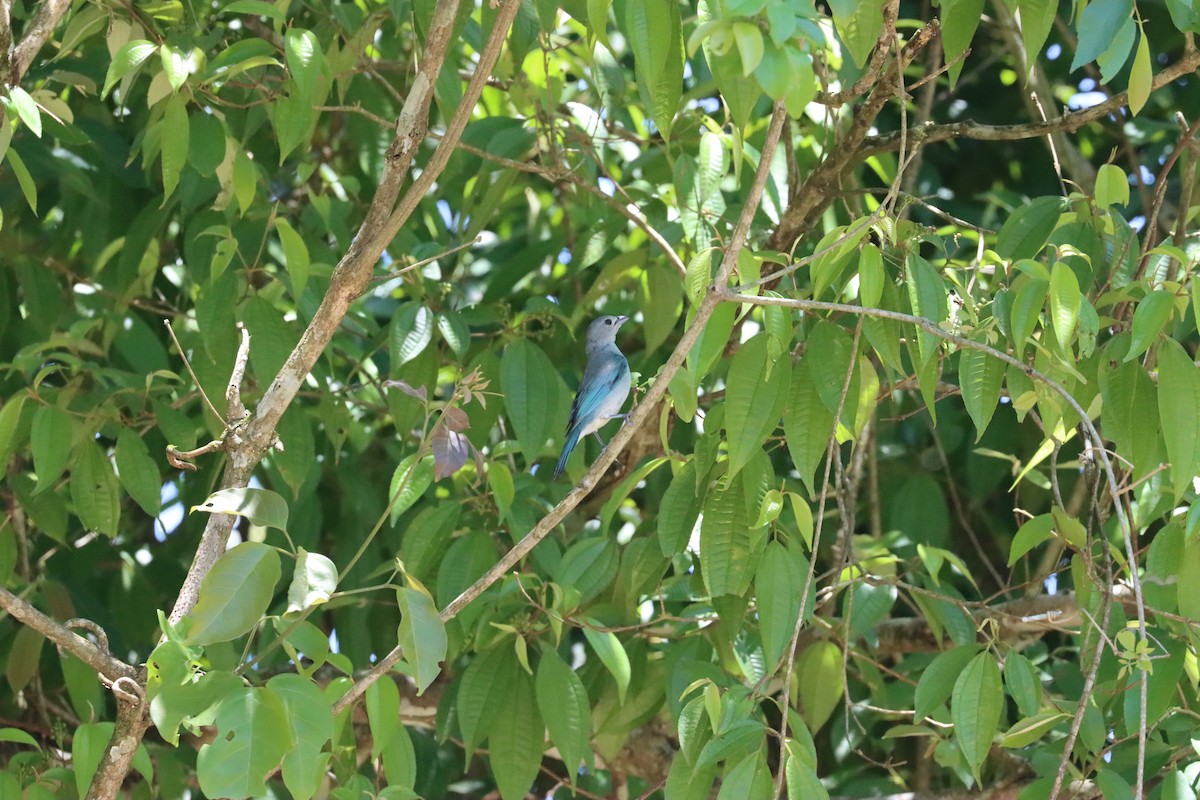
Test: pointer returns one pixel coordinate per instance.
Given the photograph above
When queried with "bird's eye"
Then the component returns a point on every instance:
(608, 322)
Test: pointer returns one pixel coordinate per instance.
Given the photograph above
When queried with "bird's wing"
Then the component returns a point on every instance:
(600, 377)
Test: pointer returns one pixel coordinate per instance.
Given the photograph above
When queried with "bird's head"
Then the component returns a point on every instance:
(603, 330)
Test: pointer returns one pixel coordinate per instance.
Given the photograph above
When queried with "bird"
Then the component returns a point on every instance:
(603, 389)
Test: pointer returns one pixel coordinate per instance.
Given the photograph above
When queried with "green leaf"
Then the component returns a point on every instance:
(411, 333)
(138, 472)
(699, 275)
(24, 658)
(655, 35)
(1064, 303)
(410, 480)
(516, 755)
(487, 681)
(1187, 580)
(260, 506)
(1141, 77)
(1026, 310)
(258, 8)
(870, 276)
(94, 490)
(27, 109)
(382, 701)
(1112, 187)
(1028, 228)
(500, 481)
(560, 693)
(807, 424)
(747, 779)
(937, 680)
(858, 25)
(980, 377)
(612, 654)
(50, 439)
(678, 511)
(729, 547)
(293, 120)
(1032, 728)
(314, 580)
(755, 396)
(175, 132)
(10, 416)
(779, 582)
(739, 92)
(927, 294)
(1037, 17)
(1130, 400)
(959, 18)
(253, 736)
(1099, 25)
(422, 635)
(975, 707)
(295, 257)
(235, 594)
(24, 179)
(588, 566)
(1149, 318)
(129, 57)
(1031, 533)
(175, 66)
(1179, 407)
(821, 682)
(310, 718)
(1024, 685)
(179, 693)
(18, 736)
(802, 780)
(531, 394)
(303, 54)
(749, 42)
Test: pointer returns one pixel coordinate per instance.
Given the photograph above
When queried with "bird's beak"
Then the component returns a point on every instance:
(621, 321)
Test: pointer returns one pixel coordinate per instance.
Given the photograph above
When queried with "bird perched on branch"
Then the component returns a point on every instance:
(604, 387)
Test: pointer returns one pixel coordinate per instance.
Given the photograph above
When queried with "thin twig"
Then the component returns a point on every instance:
(831, 453)
(1160, 193)
(424, 261)
(188, 365)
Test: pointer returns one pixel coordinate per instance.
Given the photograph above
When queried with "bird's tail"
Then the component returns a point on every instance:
(568, 446)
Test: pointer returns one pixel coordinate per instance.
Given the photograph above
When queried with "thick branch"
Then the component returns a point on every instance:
(100, 660)
(132, 721)
(638, 417)
(48, 15)
(808, 200)
(349, 279)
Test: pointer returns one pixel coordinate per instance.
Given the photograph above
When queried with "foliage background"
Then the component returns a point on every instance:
(962, 585)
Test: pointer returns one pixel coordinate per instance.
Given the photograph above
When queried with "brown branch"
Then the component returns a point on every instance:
(133, 719)
(103, 662)
(807, 201)
(349, 279)
(1069, 122)
(6, 37)
(45, 20)
(874, 68)
(1185, 141)
(638, 417)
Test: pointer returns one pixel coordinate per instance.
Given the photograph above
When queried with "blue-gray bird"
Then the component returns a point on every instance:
(604, 387)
